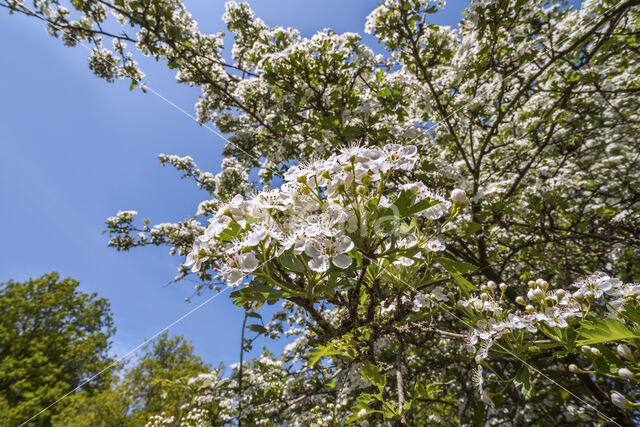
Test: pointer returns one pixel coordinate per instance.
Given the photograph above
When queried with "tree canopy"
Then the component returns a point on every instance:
(53, 338)
(451, 227)
(148, 387)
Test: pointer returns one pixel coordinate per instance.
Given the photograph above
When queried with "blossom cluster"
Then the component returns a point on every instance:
(316, 214)
(553, 308)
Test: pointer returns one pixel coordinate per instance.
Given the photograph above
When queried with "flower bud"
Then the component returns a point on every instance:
(531, 284)
(503, 287)
(520, 300)
(561, 293)
(595, 351)
(624, 351)
(459, 196)
(538, 294)
(529, 309)
(625, 374)
(619, 400)
(585, 349)
(573, 368)
(491, 284)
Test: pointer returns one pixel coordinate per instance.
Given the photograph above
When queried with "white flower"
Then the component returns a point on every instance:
(217, 225)
(435, 245)
(193, 260)
(619, 400)
(459, 196)
(398, 156)
(598, 283)
(624, 351)
(323, 251)
(326, 222)
(625, 373)
(403, 260)
(237, 265)
(555, 317)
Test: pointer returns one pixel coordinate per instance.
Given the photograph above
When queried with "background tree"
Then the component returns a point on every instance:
(140, 391)
(166, 360)
(53, 337)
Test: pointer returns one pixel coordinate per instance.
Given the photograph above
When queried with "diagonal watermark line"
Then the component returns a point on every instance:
(191, 116)
(123, 358)
(219, 293)
(603, 415)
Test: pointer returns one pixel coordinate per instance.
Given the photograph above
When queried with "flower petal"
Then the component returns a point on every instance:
(342, 261)
(249, 262)
(313, 248)
(319, 264)
(343, 245)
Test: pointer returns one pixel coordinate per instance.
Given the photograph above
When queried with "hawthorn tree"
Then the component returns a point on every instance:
(408, 306)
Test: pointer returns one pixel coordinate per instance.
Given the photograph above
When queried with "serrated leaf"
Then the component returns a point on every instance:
(456, 266)
(291, 263)
(522, 380)
(463, 283)
(456, 269)
(388, 410)
(371, 374)
(632, 313)
(404, 202)
(316, 354)
(602, 330)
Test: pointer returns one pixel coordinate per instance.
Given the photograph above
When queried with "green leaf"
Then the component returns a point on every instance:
(608, 362)
(291, 263)
(254, 314)
(231, 231)
(371, 374)
(464, 284)
(472, 227)
(389, 410)
(404, 203)
(256, 291)
(632, 313)
(257, 328)
(522, 381)
(422, 205)
(456, 266)
(316, 354)
(602, 330)
(456, 269)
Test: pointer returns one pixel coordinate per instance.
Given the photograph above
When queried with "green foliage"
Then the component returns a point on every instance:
(53, 337)
(107, 408)
(166, 360)
(141, 391)
(601, 330)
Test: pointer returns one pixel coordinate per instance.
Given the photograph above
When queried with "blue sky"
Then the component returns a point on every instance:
(76, 149)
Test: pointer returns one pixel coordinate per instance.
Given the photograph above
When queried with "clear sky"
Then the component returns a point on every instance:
(75, 150)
